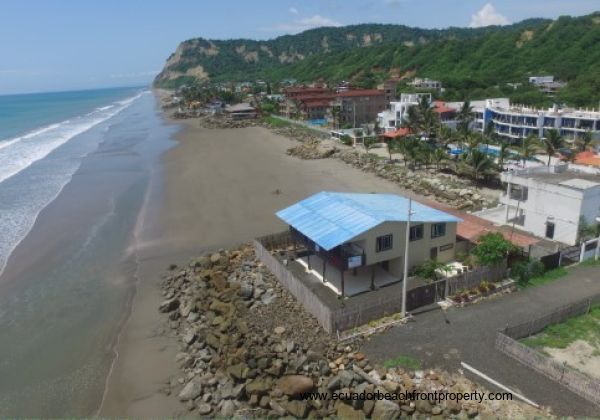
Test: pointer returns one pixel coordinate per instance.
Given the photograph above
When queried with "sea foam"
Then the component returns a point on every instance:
(18, 213)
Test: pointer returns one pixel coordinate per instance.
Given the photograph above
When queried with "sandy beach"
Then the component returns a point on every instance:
(221, 188)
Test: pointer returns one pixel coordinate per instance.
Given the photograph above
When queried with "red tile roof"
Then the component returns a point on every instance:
(401, 132)
(360, 92)
(587, 158)
(441, 108)
(472, 227)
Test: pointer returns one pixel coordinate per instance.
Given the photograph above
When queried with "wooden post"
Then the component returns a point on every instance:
(308, 260)
(342, 283)
(373, 277)
(324, 267)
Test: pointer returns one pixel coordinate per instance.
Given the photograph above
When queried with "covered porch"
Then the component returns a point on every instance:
(347, 283)
(343, 269)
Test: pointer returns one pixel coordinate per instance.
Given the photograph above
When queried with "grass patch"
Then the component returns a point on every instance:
(547, 277)
(583, 327)
(275, 122)
(590, 263)
(402, 361)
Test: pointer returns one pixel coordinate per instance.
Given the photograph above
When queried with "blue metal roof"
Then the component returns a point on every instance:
(331, 219)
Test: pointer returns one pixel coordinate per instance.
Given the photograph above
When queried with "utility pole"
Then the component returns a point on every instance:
(407, 241)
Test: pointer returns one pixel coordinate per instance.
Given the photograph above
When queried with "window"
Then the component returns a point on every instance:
(549, 230)
(446, 247)
(416, 232)
(438, 229)
(383, 243)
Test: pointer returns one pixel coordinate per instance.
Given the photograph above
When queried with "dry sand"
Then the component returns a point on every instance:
(219, 190)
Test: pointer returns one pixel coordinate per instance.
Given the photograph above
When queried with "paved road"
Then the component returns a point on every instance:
(443, 340)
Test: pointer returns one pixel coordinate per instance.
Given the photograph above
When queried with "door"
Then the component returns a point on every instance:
(433, 253)
(549, 230)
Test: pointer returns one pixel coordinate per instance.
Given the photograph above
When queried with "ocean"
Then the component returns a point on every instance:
(76, 173)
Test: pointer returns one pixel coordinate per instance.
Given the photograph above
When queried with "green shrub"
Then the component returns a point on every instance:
(492, 249)
(524, 271)
(347, 140)
(427, 269)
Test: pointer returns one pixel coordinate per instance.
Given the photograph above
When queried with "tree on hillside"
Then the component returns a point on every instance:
(552, 142)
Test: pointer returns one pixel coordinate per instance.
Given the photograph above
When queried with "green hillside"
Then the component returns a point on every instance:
(468, 61)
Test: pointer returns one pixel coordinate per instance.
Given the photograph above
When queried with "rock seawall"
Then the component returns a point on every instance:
(248, 348)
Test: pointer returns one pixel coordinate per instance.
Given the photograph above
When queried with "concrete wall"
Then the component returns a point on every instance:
(419, 250)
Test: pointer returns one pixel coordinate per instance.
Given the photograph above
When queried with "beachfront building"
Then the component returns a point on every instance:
(515, 122)
(356, 107)
(241, 111)
(391, 119)
(360, 238)
(341, 107)
(551, 201)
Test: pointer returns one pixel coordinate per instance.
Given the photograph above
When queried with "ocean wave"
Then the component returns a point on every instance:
(19, 153)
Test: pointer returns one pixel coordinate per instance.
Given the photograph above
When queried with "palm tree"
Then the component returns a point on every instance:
(552, 142)
(478, 163)
(503, 153)
(438, 156)
(445, 135)
(529, 147)
(413, 121)
(584, 141)
(368, 143)
(410, 150)
(465, 117)
(392, 147)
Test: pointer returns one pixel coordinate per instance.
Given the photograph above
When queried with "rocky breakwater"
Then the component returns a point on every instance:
(312, 149)
(248, 348)
(444, 188)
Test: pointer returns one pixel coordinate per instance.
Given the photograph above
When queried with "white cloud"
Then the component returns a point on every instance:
(304, 24)
(293, 11)
(488, 15)
(394, 2)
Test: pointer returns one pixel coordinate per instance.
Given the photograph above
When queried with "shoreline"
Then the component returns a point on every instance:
(219, 190)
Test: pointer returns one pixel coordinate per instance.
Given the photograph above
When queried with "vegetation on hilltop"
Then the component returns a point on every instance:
(470, 62)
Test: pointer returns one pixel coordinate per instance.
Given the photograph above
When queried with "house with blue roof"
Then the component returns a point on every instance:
(359, 239)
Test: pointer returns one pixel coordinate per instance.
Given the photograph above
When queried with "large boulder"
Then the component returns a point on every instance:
(344, 411)
(169, 305)
(385, 410)
(294, 385)
(191, 391)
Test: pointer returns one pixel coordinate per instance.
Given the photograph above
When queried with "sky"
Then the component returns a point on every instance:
(51, 45)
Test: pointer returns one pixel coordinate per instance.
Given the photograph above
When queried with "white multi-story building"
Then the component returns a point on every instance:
(391, 119)
(551, 201)
(478, 110)
(516, 122)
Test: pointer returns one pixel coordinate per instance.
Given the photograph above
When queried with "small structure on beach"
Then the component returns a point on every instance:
(356, 242)
(241, 111)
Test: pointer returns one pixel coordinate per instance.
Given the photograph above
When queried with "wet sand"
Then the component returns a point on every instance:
(219, 190)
